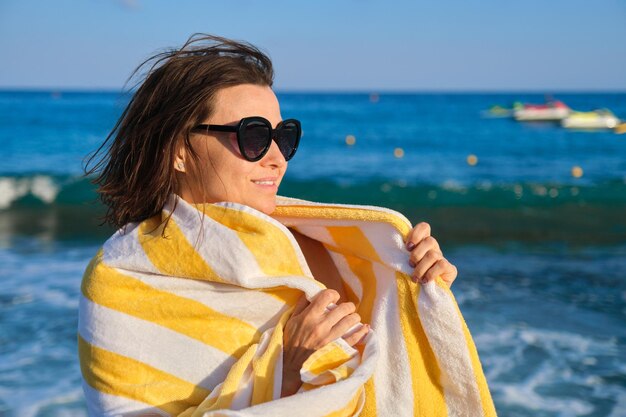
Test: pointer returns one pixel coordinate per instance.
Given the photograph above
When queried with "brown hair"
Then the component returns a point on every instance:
(135, 164)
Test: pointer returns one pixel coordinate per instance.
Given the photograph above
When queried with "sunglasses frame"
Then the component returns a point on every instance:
(240, 127)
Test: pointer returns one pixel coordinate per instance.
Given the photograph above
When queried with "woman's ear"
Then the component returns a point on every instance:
(179, 159)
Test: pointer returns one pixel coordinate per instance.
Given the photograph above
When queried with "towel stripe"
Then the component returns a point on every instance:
(353, 237)
(231, 386)
(364, 271)
(125, 241)
(118, 375)
(339, 212)
(361, 268)
(268, 378)
(389, 246)
(227, 299)
(107, 405)
(351, 282)
(160, 251)
(254, 233)
(445, 334)
(108, 287)
(352, 407)
(326, 358)
(485, 397)
(392, 352)
(427, 396)
(201, 364)
(211, 247)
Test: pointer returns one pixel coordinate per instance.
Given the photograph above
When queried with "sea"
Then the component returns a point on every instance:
(533, 216)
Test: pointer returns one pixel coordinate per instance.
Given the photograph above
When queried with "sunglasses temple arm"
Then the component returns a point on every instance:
(214, 128)
(222, 128)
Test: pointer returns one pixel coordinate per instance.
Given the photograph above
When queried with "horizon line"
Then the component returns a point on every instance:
(388, 91)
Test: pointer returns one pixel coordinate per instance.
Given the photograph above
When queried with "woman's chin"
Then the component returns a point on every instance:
(266, 206)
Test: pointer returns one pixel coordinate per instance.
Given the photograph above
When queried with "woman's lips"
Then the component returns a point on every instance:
(269, 183)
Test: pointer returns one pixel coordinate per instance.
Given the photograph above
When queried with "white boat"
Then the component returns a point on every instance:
(597, 119)
(552, 111)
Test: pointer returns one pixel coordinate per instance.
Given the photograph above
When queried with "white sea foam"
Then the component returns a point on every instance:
(527, 368)
(10, 190)
(620, 407)
(525, 394)
(455, 186)
(64, 404)
(468, 294)
(59, 298)
(484, 185)
(44, 188)
(40, 186)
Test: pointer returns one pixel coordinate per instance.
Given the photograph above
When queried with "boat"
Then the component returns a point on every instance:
(552, 111)
(620, 129)
(597, 119)
(498, 111)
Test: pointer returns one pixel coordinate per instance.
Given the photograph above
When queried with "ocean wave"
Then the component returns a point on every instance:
(56, 206)
(538, 370)
(42, 189)
(49, 189)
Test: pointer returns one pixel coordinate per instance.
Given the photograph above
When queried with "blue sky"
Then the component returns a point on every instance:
(363, 45)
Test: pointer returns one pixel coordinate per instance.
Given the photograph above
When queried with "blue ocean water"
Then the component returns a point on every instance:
(541, 254)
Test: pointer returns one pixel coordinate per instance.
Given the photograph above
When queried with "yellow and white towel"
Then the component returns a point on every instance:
(188, 321)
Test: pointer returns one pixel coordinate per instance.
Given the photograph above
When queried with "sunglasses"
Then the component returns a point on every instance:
(255, 134)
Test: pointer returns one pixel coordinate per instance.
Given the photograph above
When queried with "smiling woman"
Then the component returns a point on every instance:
(219, 154)
(220, 82)
(217, 297)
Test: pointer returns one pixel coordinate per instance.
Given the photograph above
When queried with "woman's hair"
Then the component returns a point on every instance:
(135, 164)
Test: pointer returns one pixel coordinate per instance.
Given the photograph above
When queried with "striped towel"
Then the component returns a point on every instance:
(187, 319)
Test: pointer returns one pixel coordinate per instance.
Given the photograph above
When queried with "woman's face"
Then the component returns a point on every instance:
(226, 175)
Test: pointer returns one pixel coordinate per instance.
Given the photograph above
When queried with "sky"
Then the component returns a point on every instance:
(328, 45)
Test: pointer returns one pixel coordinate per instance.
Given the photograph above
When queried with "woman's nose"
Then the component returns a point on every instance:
(274, 156)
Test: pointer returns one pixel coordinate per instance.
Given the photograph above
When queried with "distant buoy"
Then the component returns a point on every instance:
(350, 140)
(472, 159)
(577, 172)
(398, 153)
(374, 98)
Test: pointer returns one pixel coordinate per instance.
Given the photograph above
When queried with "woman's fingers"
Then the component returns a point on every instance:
(441, 268)
(427, 244)
(300, 306)
(312, 325)
(426, 257)
(322, 300)
(339, 312)
(417, 234)
(343, 325)
(358, 335)
(425, 264)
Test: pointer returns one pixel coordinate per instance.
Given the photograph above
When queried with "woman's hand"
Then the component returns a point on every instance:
(310, 327)
(426, 257)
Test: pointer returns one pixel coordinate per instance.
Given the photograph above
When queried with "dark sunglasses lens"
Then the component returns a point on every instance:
(287, 139)
(256, 139)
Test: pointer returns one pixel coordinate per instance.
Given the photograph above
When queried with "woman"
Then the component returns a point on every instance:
(205, 127)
